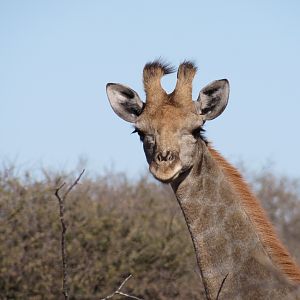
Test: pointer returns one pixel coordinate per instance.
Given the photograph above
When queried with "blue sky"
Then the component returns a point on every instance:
(57, 56)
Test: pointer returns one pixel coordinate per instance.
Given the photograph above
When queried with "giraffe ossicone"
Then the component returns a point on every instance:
(236, 246)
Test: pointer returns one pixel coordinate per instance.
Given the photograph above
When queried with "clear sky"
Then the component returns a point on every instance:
(57, 56)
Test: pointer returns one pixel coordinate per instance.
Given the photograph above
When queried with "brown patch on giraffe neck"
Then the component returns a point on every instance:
(278, 253)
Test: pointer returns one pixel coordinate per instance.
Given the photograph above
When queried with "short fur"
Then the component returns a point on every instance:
(185, 75)
(232, 236)
(186, 69)
(152, 74)
(268, 236)
(151, 68)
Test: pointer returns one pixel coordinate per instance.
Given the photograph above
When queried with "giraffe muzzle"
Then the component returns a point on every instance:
(166, 166)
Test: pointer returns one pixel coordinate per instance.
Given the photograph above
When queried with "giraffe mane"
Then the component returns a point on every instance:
(278, 253)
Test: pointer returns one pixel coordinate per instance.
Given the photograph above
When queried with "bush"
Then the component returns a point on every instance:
(115, 227)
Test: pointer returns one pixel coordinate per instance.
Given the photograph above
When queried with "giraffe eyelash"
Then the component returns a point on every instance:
(139, 132)
(199, 132)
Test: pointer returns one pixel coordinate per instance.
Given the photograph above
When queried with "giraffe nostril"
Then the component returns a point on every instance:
(167, 156)
(159, 157)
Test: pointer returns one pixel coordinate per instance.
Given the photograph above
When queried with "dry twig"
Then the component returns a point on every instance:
(61, 200)
(119, 292)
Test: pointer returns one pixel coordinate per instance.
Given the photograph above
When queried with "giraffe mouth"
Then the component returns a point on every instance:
(165, 173)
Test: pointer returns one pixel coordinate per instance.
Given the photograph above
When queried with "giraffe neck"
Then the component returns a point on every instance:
(228, 248)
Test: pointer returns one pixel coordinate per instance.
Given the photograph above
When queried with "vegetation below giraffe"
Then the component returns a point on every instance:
(115, 228)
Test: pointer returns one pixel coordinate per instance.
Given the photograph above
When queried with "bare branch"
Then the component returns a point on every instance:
(119, 292)
(74, 183)
(61, 202)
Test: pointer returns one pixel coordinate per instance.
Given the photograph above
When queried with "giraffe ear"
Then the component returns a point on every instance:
(125, 102)
(213, 99)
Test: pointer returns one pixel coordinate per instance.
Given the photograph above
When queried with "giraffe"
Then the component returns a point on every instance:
(238, 252)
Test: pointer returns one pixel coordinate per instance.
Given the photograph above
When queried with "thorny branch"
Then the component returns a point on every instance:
(119, 292)
(61, 200)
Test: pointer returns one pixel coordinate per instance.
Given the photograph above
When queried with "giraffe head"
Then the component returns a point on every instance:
(169, 125)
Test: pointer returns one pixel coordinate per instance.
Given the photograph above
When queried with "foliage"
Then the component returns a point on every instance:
(115, 227)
